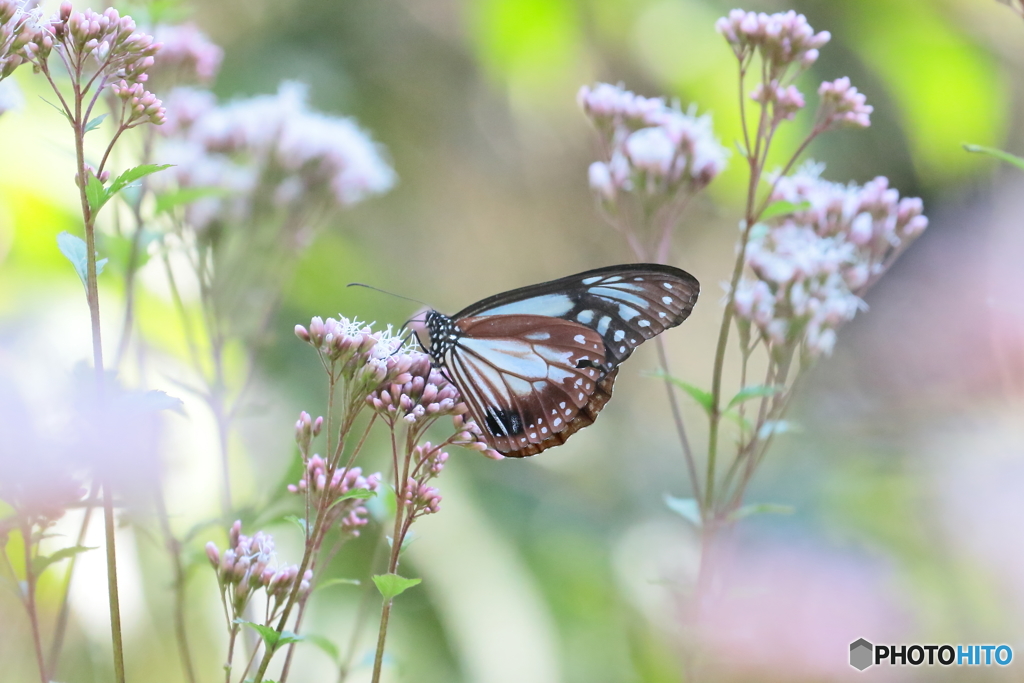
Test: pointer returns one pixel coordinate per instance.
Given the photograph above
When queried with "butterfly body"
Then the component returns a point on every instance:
(537, 364)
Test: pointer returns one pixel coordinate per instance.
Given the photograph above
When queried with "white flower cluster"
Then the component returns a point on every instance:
(651, 144)
(269, 148)
(811, 266)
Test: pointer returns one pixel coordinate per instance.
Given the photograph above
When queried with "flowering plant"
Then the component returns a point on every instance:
(808, 249)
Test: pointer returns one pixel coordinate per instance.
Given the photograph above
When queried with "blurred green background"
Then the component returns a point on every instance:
(908, 473)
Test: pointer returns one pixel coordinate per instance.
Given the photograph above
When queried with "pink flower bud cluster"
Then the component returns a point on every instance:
(469, 435)
(187, 56)
(361, 356)
(654, 147)
(842, 105)
(140, 105)
(270, 147)
(349, 512)
(784, 101)
(424, 395)
(20, 36)
(811, 267)
(306, 429)
(247, 565)
(782, 39)
(423, 499)
(110, 39)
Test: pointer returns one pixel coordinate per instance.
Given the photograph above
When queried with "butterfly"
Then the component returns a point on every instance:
(537, 364)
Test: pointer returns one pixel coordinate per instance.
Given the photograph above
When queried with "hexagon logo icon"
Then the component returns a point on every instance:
(861, 654)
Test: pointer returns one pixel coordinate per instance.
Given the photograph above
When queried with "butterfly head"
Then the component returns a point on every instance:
(444, 334)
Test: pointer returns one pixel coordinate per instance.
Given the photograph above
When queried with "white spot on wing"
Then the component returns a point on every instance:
(644, 323)
(554, 305)
(627, 313)
(557, 421)
(619, 334)
(666, 285)
(579, 339)
(602, 325)
(591, 280)
(585, 317)
(538, 336)
(666, 300)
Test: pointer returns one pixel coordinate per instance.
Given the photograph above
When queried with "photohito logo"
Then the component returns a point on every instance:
(863, 654)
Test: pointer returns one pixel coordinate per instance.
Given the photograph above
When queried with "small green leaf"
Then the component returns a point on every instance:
(271, 638)
(73, 248)
(687, 508)
(783, 208)
(762, 509)
(755, 391)
(59, 109)
(407, 540)
(133, 174)
(299, 522)
(998, 154)
(696, 393)
(94, 124)
(171, 200)
(326, 645)
(95, 193)
(361, 494)
(41, 562)
(393, 585)
(335, 582)
(287, 637)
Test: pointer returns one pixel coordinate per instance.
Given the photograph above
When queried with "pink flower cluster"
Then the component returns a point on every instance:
(651, 146)
(426, 394)
(247, 565)
(361, 356)
(782, 39)
(270, 150)
(811, 266)
(19, 36)
(842, 105)
(348, 513)
(109, 39)
(424, 499)
(423, 395)
(188, 56)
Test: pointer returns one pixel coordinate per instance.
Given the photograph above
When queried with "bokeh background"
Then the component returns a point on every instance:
(907, 477)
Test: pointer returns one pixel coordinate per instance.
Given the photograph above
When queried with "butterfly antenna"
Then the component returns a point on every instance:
(384, 291)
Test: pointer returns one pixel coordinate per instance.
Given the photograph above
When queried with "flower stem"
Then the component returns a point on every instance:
(30, 601)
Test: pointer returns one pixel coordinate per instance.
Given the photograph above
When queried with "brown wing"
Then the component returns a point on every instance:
(530, 381)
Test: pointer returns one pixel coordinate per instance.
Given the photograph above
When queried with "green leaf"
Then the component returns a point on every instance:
(687, 508)
(73, 248)
(393, 585)
(361, 494)
(133, 174)
(171, 200)
(95, 193)
(762, 509)
(755, 391)
(783, 208)
(59, 109)
(299, 522)
(1012, 159)
(326, 645)
(270, 636)
(407, 540)
(696, 393)
(41, 562)
(287, 637)
(94, 124)
(335, 582)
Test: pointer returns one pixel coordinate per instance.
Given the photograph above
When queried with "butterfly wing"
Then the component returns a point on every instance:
(625, 304)
(530, 381)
